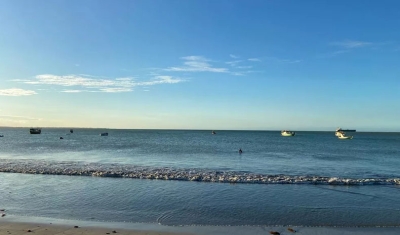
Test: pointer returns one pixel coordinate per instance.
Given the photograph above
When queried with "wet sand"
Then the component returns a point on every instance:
(47, 226)
(17, 228)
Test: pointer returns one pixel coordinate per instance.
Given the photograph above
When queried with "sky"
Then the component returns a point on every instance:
(206, 64)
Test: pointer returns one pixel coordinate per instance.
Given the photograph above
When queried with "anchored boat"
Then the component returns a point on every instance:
(35, 130)
(288, 133)
(343, 136)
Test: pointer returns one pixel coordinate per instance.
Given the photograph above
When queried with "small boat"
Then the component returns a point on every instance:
(1, 135)
(288, 133)
(35, 130)
(71, 131)
(339, 133)
(104, 134)
(343, 136)
(61, 138)
(213, 133)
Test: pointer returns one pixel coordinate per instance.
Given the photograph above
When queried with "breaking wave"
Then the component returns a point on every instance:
(165, 173)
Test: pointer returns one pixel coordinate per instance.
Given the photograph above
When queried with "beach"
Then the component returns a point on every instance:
(45, 227)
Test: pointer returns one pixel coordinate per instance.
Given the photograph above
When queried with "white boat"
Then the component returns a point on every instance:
(343, 136)
(288, 133)
(339, 133)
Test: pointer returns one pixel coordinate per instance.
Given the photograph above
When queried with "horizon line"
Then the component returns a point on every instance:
(188, 129)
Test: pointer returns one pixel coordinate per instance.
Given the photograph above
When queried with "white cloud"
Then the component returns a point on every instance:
(234, 56)
(16, 92)
(77, 65)
(93, 84)
(72, 91)
(115, 89)
(237, 74)
(244, 67)
(234, 63)
(279, 60)
(197, 64)
(254, 59)
(161, 80)
(351, 44)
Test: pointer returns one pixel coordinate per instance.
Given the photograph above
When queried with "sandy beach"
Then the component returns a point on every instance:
(16, 228)
(47, 226)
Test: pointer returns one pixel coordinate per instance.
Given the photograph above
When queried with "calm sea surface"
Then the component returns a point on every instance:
(369, 157)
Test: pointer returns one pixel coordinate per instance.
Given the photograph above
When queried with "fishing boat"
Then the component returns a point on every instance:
(71, 131)
(213, 133)
(35, 130)
(104, 134)
(1, 135)
(288, 133)
(343, 136)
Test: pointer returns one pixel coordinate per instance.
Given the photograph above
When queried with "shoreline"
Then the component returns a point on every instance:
(46, 226)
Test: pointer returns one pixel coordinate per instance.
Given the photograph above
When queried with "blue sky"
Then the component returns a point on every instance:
(210, 64)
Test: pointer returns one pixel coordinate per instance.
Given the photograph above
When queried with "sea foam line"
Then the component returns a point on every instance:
(164, 173)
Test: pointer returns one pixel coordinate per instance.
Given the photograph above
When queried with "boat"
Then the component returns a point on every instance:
(71, 131)
(343, 136)
(61, 138)
(213, 133)
(1, 135)
(35, 130)
(288, 133)
(338, 133)
(347, 130)
(104, 134)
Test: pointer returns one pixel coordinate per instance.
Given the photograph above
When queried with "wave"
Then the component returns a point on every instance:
(166, 173)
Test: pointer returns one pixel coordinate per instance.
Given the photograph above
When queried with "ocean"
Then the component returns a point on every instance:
(191, 177)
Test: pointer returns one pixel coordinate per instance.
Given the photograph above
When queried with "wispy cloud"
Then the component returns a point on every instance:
(237, 74)
(254, 59)
(233, 63)
(77, 65)
(234, 56)
(92, 84)
(16, 92)
(72, 91)
(197, 64)
(244, 67)
(280, 60)
(352, 44)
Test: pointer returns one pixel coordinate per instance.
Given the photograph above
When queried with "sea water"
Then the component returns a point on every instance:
(311, 179)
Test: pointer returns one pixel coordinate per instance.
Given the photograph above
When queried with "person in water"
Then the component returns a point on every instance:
(240, 150)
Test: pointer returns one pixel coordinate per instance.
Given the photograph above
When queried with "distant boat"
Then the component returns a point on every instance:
(71, 131)
(213, 133)
(35, 130)
(343, 136)
(347, 130)
(339, 133)
(1, 135)
(104, 134)
(61, 138)
(288, 133)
